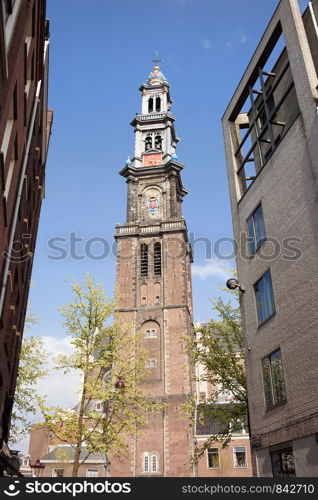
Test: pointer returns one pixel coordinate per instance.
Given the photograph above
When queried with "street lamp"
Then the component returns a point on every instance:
(37, 467)
(120, 384)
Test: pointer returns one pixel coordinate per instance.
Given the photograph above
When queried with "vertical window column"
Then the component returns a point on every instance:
(144, 259)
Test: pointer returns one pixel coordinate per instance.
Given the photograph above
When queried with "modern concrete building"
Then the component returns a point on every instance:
(153, 286)
(271, 143)
(25, 124)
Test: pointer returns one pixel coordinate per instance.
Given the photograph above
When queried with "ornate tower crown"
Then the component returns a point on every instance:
(156, 77)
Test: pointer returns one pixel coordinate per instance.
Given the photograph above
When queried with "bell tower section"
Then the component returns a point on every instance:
(153, 283)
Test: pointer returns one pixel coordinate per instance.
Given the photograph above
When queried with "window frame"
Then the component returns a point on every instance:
(213, 453)
(92, 470)
(150, 336)
(279, 452)
(273, 394)
(260, 320)
(257, 243)
(54, 471)
(245, 466)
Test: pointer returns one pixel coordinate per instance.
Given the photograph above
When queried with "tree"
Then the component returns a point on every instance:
(218, 347)
(31, 368)
(104, 355)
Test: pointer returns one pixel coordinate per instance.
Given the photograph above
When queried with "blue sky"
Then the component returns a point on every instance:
(99, 56)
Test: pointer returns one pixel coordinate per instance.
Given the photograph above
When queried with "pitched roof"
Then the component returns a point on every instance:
(66, 453)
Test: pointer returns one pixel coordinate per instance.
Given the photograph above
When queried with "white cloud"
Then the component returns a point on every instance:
(243, 38)
(213, 267)
(206, 43)
(61, 389)
(237, 38)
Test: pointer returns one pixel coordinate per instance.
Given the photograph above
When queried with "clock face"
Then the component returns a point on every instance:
(152, 159)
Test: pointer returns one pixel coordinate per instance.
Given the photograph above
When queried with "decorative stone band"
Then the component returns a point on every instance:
(148, 229)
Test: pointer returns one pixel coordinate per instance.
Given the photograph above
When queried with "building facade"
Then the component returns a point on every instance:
(233, 460)
(25, 124)
(271, 143)
(153, 284)
(56, 458)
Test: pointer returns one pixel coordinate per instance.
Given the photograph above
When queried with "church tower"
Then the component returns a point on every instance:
(153, 285)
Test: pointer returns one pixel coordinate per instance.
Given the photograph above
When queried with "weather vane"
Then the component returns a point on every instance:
(157, 59)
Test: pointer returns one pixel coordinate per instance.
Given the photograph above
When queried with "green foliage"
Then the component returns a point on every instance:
(218, 348)
(27, 402)
(102, 354)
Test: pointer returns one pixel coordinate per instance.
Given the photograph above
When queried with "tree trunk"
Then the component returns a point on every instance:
(80, 431)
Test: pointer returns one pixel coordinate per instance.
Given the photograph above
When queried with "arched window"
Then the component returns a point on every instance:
(154, 463)
(158, 142)
(158, 103)
(148, 142)
(150, 462)
(157, 259)
(144, 259)
(150, 105)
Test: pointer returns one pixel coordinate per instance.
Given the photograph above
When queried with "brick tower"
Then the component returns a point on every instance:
(153, 286)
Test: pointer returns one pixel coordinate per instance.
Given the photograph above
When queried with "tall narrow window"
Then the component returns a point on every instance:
(264, 297)
(213, 458)
(158, 104)
(148, 142)
(240, 456)
(273, 377)
(150, 105)
(158, 142)
(146, 463)
(256, 229)
(154, 463)
(157, 259)
(144, 259)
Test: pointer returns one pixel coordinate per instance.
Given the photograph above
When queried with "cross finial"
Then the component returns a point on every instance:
(156, 59)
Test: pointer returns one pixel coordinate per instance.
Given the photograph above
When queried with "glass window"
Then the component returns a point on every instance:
(264, 297)
(256, 229)
(154, 463)
(151, 333)
(91, 473)
(151, 364)
(146, 463)
(213, 458)
(283, 464)
(239, 456)
(58, 473)
(273, 377)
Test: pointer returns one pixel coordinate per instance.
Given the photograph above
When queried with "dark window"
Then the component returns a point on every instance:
(283, 464)
(256, 229)
(158, 104)
(158, 142)
(239, 456)
(273, 377)
(148, 142)
(150, 105)
(157, 259)
(144, 260)
(264, 297)
(213, 458)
